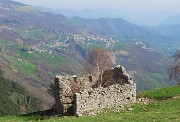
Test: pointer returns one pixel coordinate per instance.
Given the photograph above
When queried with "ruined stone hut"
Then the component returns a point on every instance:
(77, 95)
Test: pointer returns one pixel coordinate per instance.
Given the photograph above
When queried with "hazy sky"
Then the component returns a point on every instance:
(127, 5)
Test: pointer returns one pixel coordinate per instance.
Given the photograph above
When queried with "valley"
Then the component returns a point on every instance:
(35, 46)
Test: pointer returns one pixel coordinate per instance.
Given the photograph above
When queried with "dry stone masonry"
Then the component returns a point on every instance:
(109, 97)
(76, 95)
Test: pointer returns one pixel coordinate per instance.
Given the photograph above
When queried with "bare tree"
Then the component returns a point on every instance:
(97, 61)
(174, 69)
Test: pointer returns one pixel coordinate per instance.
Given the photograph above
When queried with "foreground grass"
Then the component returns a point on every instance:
(165, 109)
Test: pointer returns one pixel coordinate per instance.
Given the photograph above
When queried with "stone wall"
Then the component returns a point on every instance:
(68, 86)
(76, 95)
(110, 97)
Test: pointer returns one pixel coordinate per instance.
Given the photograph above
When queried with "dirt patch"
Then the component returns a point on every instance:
(122, 52)
(8, 35)
(145, 100)
(176, 97)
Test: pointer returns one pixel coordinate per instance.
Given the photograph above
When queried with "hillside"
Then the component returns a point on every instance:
(14, 99)
(21, 16)
(164, 106)
(35, 46)
(120, 28)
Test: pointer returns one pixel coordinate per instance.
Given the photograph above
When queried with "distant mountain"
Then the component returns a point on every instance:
(140, 18)
(87, 13)
(170, 28)
(173, 20)
(107, 26)
(120, 27)
(172, 31)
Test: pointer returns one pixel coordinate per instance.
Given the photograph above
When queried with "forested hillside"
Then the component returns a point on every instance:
(14, 99)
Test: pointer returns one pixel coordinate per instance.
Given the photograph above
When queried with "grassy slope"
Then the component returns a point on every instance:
(28, 59)
(22, 66)
(166, 108)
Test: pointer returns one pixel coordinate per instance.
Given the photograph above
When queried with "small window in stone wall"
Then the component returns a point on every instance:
(90, 78)
(74, 86)
(128, 98)
(74, 78)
